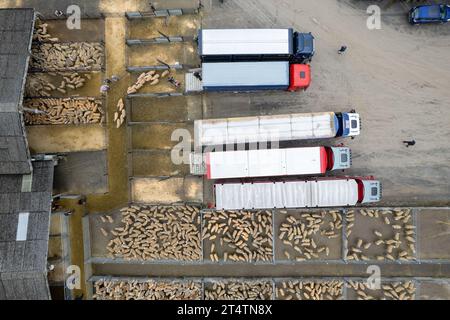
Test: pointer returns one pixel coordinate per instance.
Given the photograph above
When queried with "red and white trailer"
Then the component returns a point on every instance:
(276, 162)
(318, 192)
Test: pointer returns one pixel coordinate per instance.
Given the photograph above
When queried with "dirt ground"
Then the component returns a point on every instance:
(52, 139)
(174, 109)
(171, 190)
(91, 31)
(94, 8)
(117, 171)
(90, 89)
(186, 25)
(151, 163)
(174, 53)
(161, 134)
(434, 233)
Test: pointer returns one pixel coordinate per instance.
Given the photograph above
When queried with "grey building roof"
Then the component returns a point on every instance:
(16, 31)
(25, 187)
(23, 263)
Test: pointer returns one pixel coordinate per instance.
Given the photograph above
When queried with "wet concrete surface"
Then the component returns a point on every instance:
(82, 173)
(150, 163)
(434, 289)
(174, 109)
(434, 233)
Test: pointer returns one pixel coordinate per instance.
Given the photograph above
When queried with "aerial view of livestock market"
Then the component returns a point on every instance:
(224, 150)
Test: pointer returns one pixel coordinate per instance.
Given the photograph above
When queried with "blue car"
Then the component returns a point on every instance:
(433, 13)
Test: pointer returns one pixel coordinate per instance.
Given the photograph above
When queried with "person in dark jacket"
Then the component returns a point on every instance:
(409, 143)
(342, 49)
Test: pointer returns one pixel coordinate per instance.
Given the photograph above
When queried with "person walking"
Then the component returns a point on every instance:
(152, 7)
(104, 88)
(198, 75)
(342, 49)
(174, 82)
(409, 143)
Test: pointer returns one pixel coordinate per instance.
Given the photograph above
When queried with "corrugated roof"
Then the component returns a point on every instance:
(26, 286)
(16, 30)
(23, 264)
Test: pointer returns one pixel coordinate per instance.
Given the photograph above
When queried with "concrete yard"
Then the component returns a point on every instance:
(396, 78)
(381, 77)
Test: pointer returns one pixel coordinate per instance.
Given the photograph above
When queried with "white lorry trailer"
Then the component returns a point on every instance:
(220, 45)
(318, 192)
(275, 162)
(299, 126)
(249, 76)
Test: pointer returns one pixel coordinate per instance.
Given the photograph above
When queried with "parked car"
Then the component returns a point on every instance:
(433, 13)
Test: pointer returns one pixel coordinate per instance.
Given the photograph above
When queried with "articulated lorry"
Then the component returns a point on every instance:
(274, 162)
(297, 126)
(317, 192)
(222, 45)
(248, 76)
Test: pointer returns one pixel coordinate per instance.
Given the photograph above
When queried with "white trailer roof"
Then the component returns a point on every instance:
(245, 74)
(245, 41)
(263, 163)
(264, 128)
(292, 194)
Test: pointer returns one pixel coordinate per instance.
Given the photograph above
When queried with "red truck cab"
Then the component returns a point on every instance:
(300, 77)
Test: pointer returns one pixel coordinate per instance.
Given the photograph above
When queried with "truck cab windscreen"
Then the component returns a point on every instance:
(339, 124)
(329, 158)
(360, 190)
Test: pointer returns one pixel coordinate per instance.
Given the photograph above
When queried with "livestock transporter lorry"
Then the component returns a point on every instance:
(287, 127)
(226, 45)
(248, 76)
(274, 162)
(318, 192)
